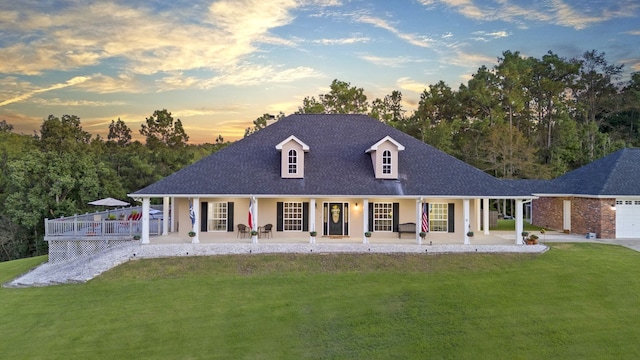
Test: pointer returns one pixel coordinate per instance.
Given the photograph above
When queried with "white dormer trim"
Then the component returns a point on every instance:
(375, 146)
(292, 157)
(304, 146)
(384, 158)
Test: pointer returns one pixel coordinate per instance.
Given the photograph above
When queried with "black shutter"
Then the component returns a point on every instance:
(451, 215)
(305, 216)
(203, 216)
(230, 224)
(371, 217)
(396, 216)
(279, 216)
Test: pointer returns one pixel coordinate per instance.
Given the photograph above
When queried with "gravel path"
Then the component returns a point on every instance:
(85, 269)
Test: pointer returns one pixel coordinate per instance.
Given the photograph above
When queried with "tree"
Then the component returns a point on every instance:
(388, 110)
(160, 130)
(61, 135)
(342, 99)
(261, 123)
(311, 106)
(119, 133)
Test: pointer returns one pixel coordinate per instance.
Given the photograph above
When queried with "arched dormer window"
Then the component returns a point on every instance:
(293, 162)
(386, 162)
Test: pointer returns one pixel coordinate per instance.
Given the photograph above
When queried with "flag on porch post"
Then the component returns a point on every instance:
(250, 219)
(425, 217)
(192, 213)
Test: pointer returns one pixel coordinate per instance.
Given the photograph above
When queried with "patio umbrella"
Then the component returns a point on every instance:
(109, 202)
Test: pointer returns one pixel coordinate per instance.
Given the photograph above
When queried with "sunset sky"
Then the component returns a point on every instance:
(218, 65)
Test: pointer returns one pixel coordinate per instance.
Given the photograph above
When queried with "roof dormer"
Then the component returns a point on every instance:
(384, 157)
(292, 157)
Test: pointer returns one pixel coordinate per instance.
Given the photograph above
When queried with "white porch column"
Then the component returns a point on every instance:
(165, 215)
(519, 222)
(365, 219)
(312, 218)
(485, 216)
(196, 228)
(145, 220)
(418, 221)
(478, 210)
(465, 211)
(172, 215)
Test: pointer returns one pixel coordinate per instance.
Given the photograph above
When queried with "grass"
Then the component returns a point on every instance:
(510, 225)
(575, 301)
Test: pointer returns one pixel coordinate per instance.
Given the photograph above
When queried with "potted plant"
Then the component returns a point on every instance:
(422, 234)
(532, 240)
(254, 233)
(136, 237)
(313, 233)
(525, 234)
(191, 233)
(367, 234)
(470, 234)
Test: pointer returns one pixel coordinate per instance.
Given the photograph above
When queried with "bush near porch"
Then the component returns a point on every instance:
(576, 301)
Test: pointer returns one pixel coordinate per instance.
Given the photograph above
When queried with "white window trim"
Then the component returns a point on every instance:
(383, 207)
(210, 212)
(290, 205)
(293, 155)
(446, 226)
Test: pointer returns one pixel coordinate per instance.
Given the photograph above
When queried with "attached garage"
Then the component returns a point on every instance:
(627, 218)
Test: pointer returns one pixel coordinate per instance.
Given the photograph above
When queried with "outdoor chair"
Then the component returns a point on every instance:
(266, 230)
(242, 230)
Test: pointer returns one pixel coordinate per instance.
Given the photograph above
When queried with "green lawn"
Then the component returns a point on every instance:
(576, 301)
(510, 225)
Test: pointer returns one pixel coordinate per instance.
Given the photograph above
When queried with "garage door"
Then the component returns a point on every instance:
(627, 219)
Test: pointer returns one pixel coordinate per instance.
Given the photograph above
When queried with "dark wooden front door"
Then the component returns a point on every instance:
(336, 219)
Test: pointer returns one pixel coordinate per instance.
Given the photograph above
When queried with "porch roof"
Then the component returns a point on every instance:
(336, 165)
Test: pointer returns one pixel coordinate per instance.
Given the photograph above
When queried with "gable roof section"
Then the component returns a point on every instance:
(613, 175)
(338, 165)
(375, 146)
(304, 146)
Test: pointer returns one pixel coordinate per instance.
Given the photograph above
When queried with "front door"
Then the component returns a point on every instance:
(336, 218)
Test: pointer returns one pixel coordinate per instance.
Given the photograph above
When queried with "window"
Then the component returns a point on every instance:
(383, 217)
(293, 162)
(292, 216)
(438, 217)
(217, 216)
(386, 162)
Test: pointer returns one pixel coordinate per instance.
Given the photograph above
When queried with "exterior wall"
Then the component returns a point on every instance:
(267, 214)
(376, 158)
(587, 215)
(284, 160)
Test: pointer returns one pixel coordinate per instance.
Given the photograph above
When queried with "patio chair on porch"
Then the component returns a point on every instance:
(242, 230)
(266, 230)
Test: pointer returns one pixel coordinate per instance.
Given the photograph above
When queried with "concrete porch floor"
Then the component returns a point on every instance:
(494, 238)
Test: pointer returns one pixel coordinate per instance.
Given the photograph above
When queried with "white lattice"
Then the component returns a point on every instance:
(67, 250)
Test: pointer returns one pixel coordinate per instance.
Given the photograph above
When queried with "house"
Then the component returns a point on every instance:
(338, 175)
(602, 197)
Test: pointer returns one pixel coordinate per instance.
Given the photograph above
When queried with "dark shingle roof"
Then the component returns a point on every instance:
(614, 174)
(336, 164)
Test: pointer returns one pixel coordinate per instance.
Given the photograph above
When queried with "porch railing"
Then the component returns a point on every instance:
(80, 229)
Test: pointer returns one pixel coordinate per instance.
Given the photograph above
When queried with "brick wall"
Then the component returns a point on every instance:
(587, 215)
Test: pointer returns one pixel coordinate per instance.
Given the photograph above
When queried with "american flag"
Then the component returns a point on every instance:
(250, 219)
(425, 217)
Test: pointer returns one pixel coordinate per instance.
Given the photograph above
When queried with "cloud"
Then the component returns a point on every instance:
(405, 83)
(488, 36)
(72, 103)
(71, 82)
(468, 60)
(412, 39)
(343, 41)
(556, 12)
(395, 62)
(139, 39)
(240, 75)
(633, 32)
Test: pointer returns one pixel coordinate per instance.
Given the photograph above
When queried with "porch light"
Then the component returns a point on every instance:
(613, 206)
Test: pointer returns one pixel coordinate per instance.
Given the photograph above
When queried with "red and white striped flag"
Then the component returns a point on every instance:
(250, 220)
(425, 217)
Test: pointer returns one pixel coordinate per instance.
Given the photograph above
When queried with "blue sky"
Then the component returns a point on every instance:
(218, 65)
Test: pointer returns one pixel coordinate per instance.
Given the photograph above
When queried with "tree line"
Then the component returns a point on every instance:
(525, 117)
